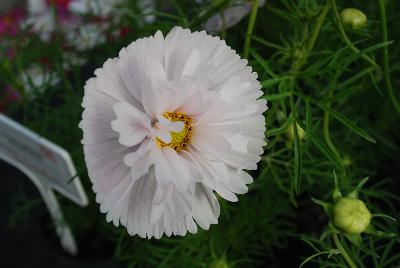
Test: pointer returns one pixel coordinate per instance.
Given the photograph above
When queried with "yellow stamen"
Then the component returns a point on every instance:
(180, 140)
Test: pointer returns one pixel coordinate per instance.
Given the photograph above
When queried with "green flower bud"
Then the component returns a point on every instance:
(300, 131)
(221, 263)
(280, 115)
(298, 52)
(353, 18)
(346, 161)
(351, 215)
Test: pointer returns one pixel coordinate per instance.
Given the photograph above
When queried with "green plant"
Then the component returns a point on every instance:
(333, 89)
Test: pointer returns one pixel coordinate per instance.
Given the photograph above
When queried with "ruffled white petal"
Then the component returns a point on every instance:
(132, 125)
(170, 167)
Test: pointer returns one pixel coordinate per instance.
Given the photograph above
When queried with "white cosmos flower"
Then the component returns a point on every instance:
(36, 6)
(168, 123)
(36, 79)
(95, 7)
(42, 23)
(87, 36)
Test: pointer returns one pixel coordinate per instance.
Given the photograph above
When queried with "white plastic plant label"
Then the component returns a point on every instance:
(48, 166)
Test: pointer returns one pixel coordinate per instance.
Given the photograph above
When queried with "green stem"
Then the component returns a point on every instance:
(343, 251)
(181, 13)
(250, 28)
(298, 64)
(295, 68)
(327, 135)
(268, 44)
(317, 28)
(386, 68)
(346, 39)
(223, 31)
(331, 146)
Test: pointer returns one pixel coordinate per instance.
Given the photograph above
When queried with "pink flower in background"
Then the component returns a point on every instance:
(83, 24)
(59, 4)
(10, 53)
(10, 95)
(44, 15)
(9, 23)
(68, 21)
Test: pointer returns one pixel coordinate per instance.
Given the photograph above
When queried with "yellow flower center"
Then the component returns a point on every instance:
(179, 140)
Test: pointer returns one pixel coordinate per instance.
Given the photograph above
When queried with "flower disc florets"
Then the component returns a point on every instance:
(179, 140)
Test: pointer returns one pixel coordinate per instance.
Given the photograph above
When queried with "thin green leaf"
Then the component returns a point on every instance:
(387, 251)
(371, 75)
(327, 233)
(356, 77)
(355, 56)
(371, 230)
(262, 62)
(338, 116)
(278, 96)
(391, 260)
(182, 14)
(355, 239)
(279, 130)
(308, 119)
(347, 122)
(328, 252)
(268, 44)
(343, 93)
(308, 241)
(326, 151)
(337, 194)
(298, 159)
(380, 215)
(283, 14)
(356, 191)
(271, 82)
(319, 202)
(327, 207)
